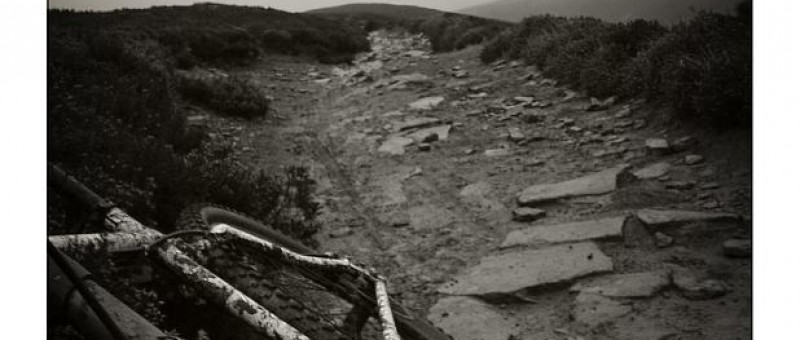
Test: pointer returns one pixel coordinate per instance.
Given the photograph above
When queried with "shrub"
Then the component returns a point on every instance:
(233, 96)
(701, 68)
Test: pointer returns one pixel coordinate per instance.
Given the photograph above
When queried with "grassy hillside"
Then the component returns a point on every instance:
(702, 67)
(447, 31)
(665, 11)
(117, 107)
(212, 33)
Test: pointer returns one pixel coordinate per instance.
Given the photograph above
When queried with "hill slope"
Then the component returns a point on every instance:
(665, 11)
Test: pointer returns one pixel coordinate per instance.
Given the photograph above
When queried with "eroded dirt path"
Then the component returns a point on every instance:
(428, 193)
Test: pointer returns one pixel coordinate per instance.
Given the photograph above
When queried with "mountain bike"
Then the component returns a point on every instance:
(277, 286)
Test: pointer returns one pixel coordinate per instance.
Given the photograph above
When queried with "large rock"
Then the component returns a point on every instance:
(594, 310)
(395, 145)
(467, 318)
(654, 217)
(510, 272)
(416, 123)
(566, 232)
(442, 132)
(426, 104)
(639, 285)
(598, 183)
(651, 171)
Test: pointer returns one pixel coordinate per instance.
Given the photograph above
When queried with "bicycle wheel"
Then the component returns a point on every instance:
(313, 301)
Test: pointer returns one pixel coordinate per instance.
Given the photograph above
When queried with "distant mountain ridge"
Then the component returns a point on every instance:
(388, 10)
(665, 11)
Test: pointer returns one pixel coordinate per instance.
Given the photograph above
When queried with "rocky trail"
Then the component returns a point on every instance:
(504, 206)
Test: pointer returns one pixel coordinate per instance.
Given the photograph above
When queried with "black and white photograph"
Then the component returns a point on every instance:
(407, 169)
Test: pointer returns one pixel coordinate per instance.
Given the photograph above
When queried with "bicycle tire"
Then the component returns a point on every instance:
(204, 215)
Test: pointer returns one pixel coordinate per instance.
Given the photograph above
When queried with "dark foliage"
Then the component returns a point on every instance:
(116, 122)
(232, 96)
(702, 67)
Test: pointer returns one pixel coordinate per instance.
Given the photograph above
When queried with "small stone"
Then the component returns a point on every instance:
(597, 105)
(341, 232)
(683, 143)
(623, 113)
(424, 147)
(527, 214)
(496, 152)
(469, 152)
(515, 135)
(525, 100)
(663, 240)
(737, 248)
(657, 145)
(694, 285)
(652, 171)
(430, 138)
(398, 219)
(710, 186)
(693, 159)
(712, 204)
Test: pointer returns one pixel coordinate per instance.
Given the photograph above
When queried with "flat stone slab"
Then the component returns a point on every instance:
(508, 273)
(654, 217)
(594, 184)
(426, 104)
(395, 145)
(594, 310)
(443, 131)
(566, 232)
(638, 285)
(466, 318)
(416, 123)
(651, 171)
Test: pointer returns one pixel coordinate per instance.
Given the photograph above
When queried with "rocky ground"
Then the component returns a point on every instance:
(504, 206)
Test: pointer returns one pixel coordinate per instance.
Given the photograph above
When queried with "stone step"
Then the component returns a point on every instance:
(510, 272)
(566, 232)
(598, 183)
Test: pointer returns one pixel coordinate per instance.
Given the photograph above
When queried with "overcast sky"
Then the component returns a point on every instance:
(286, 5)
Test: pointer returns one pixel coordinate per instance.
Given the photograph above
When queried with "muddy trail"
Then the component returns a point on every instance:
(505, 206)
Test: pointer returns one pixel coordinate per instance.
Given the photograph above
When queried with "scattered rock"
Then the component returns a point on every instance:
(593, 309)
(395, 145)
(461, 74)
(623, 113)
(510, 272)
(416, 123)
(597, 105)
(710, 186)
(658, 146)
(654, 217)
(525, 100)
(426, 104)
(430, 138)
(469, 152)
(515, 135)
(737, 248)
(679, 185)
(595, 184)
(652, 171)
(398, 219)
(496, 152)
(683, 143)
(424, 147)
(440, 132)
(566, 232)
(694, 285)
(693, 159)
(471, 319)
(341, 232)
(639, 285)
(527, 214)
(663, 240)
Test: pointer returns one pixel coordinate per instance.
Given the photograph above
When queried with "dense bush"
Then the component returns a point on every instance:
(702, 67)
(230, 95)
(116, 123)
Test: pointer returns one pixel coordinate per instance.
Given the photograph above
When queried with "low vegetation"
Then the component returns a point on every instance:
(117, 108)
(701, 67)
